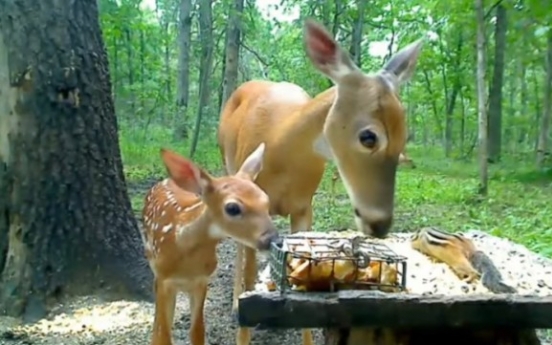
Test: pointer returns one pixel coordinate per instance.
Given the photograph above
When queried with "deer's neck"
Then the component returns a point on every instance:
(308, 122)
(201, 231)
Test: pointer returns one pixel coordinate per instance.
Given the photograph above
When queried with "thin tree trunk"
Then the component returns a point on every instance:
(481, 99)
(142, 70)
(495, 96)
(462, 122)
(542, 148)
(356, 40)
(232, 50)
(130, 69)
(456, 85)
(183, 79)
(115, 70)
(206, 37)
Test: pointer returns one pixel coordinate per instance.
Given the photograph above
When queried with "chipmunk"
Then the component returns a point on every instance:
(461, 255)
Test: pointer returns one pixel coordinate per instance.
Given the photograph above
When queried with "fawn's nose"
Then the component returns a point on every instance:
(269, 237)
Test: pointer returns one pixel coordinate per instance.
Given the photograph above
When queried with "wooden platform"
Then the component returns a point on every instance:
(377, 309)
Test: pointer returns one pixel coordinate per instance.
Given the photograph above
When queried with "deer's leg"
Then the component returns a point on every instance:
(165, 302)
(243, 336)
(238, 277)
(302, 221)
(197, 302)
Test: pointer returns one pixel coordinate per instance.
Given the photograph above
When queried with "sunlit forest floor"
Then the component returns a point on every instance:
(439, 192)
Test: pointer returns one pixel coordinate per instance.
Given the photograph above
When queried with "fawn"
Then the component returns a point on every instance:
(185, 217)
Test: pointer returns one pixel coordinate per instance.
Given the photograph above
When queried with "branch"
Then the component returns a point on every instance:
(496, 4)
(257, 55)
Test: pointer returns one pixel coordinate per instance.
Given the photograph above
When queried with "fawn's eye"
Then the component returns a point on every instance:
(232, 209)
(368, 138)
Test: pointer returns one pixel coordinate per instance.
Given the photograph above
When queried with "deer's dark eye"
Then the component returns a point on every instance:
(368, 138)
(232, 209)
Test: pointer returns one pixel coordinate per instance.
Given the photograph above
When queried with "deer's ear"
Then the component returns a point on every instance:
(403, 63)
(184, 173)
(253, 164)
(325, 53)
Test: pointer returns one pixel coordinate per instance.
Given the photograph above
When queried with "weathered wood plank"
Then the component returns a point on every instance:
(377, 309)
(424, 336)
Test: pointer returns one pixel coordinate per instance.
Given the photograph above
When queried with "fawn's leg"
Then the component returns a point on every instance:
(238, 277)
(165, 302)
(197, 302)
(302, 221)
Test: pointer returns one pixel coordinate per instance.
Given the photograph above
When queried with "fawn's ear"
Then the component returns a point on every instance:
(253, 164)
(325, 53)
(185, 173)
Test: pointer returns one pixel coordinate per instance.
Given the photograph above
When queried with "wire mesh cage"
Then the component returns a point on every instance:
(305, 263)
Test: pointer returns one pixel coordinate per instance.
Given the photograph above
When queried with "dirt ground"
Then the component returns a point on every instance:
(91, 321)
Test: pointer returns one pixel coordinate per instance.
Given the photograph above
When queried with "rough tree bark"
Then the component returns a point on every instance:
(495, 95)
(481, 100)
(183, 79)
(66, 224)
(232, 50)
(206, 38)
(542, 147)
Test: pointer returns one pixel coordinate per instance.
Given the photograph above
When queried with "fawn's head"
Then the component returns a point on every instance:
(365, 131)
(238, 207)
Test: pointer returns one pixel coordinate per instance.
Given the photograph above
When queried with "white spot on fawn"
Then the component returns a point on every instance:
(167, 228)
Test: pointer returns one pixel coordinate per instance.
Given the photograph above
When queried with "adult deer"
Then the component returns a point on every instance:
(360, 123)
(185, 217)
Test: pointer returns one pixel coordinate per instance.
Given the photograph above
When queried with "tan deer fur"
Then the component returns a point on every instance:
(185, 217)
(302, 132)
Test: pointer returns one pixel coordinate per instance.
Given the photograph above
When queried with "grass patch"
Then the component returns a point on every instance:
(439, 192)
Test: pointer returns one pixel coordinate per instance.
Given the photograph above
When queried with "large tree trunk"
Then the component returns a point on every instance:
(481, 99)
(66, 224)
(232, 51)
(495, 96)
(183, 80)
(542, 147)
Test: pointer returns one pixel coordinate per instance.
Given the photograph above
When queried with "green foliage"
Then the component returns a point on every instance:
(439, 192)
